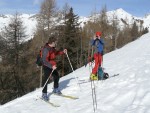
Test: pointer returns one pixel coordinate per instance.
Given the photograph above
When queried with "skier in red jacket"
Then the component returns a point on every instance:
(49, 54)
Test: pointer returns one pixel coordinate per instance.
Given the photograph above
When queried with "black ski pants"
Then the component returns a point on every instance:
(55, 75)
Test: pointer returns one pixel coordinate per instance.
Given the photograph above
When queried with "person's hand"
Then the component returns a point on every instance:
(54, 67)
(94, 37)
(65, 51)
(89, 58)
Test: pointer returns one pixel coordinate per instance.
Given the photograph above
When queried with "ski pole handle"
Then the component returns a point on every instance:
(48, 79)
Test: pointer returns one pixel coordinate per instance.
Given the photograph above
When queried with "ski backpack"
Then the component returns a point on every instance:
(39, 60)
(101, 74)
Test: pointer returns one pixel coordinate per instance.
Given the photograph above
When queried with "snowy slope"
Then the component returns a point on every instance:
(127, 93)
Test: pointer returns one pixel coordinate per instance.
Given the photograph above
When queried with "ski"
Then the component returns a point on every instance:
(88, 80)
(114, 75)
(84, 81)
(67, 96)
(50, 103)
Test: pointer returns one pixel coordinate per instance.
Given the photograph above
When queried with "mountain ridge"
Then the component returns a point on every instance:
(30, 21)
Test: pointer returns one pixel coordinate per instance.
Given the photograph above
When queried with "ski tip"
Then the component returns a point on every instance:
(50, 103)
(67, 96)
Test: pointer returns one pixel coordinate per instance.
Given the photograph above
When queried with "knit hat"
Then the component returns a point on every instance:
(98, 33)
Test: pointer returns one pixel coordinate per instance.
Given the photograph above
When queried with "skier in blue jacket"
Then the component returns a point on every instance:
(98, 45)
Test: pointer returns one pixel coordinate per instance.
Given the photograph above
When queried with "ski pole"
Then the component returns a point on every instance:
(73, 70)
(93, 92)
(48, 79)
(93, 97)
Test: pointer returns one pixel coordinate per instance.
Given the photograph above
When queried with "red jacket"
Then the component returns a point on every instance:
(49, 54)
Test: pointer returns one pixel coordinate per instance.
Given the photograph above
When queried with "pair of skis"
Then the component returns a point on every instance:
(88, 80)
(61, 95)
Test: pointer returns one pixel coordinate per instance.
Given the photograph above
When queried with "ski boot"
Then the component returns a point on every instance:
(57, 91)
(93, 77)
(45, 97)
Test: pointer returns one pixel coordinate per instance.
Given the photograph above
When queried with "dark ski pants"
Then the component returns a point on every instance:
(55, 75)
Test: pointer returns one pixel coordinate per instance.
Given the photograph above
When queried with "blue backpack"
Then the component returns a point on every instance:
(101, 74)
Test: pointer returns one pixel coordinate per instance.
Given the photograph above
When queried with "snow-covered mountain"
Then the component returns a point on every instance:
(130, 19)
(29, 21)
(129, 92)
(123, 18)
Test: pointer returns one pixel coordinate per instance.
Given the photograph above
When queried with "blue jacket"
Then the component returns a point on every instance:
(98, 44)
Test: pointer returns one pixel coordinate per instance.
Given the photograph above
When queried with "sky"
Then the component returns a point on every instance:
(129, 92)
(81, 7)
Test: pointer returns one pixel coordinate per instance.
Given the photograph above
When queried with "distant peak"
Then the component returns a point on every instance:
(120, 9)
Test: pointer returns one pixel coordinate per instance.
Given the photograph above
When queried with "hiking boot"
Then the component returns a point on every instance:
(45, 97)
(57, 91)
(93, 77)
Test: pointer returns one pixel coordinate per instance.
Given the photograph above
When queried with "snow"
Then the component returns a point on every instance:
(30, 21)
(83, 20)
(147, 22)
(127, 93)
(121, 14)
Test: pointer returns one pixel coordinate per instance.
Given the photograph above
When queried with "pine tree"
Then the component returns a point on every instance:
(14, 36)
(71, 37)
(134, 31)
(145, 30)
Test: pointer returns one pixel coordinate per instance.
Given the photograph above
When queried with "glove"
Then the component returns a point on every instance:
(65, 51)
(89, 58)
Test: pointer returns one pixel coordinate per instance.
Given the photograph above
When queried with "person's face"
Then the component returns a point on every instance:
(54, 44)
